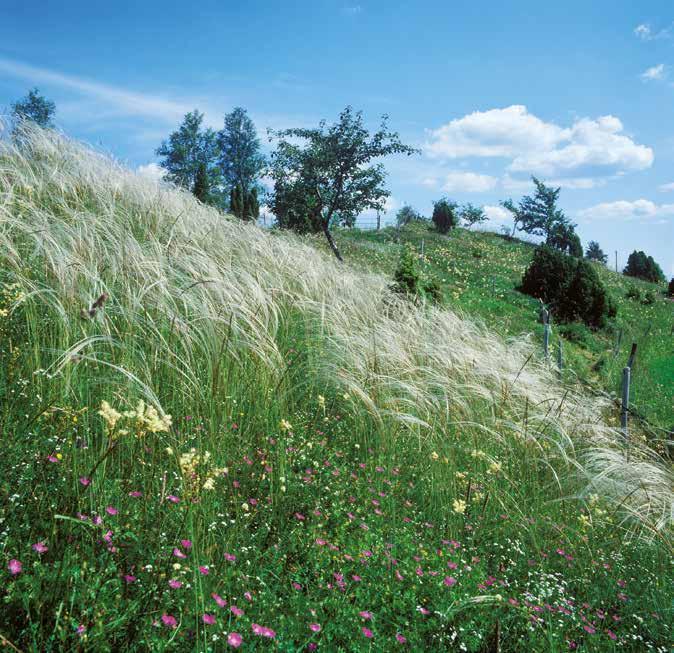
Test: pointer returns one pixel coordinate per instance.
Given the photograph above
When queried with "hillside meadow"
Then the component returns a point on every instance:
(216, 437)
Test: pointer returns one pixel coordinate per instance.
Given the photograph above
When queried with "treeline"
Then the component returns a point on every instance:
(326, 176)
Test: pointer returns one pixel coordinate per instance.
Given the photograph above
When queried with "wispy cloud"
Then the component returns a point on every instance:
(654, 73)
(125, 101)
(645, 33)
(352, 10)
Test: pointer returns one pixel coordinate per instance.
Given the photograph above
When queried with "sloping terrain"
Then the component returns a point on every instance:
(217, 436)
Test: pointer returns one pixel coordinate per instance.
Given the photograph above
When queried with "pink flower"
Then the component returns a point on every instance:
(187, 544)
(234, 640)
(449, 581)
(248, 596)
(365, 614)
(230, 557)
(129, 578)
(367, 632)
(424, 611)
(219, 600)
(178, 553)
(401, 639)
(173, 499)
(315, 627)
(356, 578)
(208, 619)
(81, 629)
(204, 571)
(111, 510)
(85, 481)
(169, 620)
(175, 584)
(296, 586)
(263, 630)
(15, 567)
(52, 459)
(40, 547)
(236, 611)
(135, 494)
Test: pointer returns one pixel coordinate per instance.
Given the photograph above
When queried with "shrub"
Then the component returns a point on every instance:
(670, 289)
(570, 286)
(407, 278)
(633, 293)
(409, 281)
(648, 299)
(576, 333)
(445, 215)
(644, 267)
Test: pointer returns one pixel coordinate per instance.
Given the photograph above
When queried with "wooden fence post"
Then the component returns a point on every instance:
(546, 339)
(625, 400)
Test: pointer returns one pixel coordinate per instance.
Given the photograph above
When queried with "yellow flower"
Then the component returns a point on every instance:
(321, 401)
(459, 506)
(434, 455)
(494, 468)
(285, 425)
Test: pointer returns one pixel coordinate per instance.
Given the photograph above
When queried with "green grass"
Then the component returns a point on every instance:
(342, 470)
(480, 272)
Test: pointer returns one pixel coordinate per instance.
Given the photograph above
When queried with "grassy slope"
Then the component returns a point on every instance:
(479, 272)
(344, 468)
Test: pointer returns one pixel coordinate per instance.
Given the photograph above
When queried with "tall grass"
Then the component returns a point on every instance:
(232, 328)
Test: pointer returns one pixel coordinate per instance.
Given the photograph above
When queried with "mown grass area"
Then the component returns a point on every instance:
(217, 438)
(480, 271)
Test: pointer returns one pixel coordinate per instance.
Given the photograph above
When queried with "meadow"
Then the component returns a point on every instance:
(216, 437)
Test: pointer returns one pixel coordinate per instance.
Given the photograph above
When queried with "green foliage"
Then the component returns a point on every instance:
(633, 293)
(644, 267)
(201, 188)
(595, 253)
(33, 108)
(330, 176)
(648, 298)
(188, 149)
(670, 288)
(564, 238)
(445, 215)
(244, 204)
(538, 215)
(240, 160)
(410, 282)
(407, 215)
(570, 286)
(471, 215)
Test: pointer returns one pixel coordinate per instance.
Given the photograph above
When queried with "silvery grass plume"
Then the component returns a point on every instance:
(184, 283)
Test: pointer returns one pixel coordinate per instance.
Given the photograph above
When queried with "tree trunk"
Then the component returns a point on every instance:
(331, 242)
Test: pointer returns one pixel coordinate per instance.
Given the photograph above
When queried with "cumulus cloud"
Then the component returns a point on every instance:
(457, 181)
(654, 73)
(151, 171)
(640, 209)
(496, 213)
(588, 149)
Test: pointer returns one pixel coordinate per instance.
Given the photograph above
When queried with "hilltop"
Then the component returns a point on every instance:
(479, 273)
(216, 436)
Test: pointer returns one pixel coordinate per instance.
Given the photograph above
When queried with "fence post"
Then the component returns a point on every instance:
(625, 400)
(546, 339)
(560, 359)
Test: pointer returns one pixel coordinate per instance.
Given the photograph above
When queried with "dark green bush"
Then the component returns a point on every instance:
(633, 293)
(570, 286)
(670, 289)
(408, 280)
(641, 266)
(648, 298)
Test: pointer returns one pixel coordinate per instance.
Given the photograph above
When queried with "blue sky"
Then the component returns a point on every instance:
(578, 93)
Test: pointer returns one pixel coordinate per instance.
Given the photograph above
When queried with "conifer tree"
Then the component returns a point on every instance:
(201, 188)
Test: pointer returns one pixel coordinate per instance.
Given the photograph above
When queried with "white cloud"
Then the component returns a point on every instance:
(353, 10)
(494, 133)
(151, 171)
(128, 102)
(457, 181)
(666, 188)
(640, 209)
(654, 73)
(645, 33)
(588, 149)
(497, 213)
